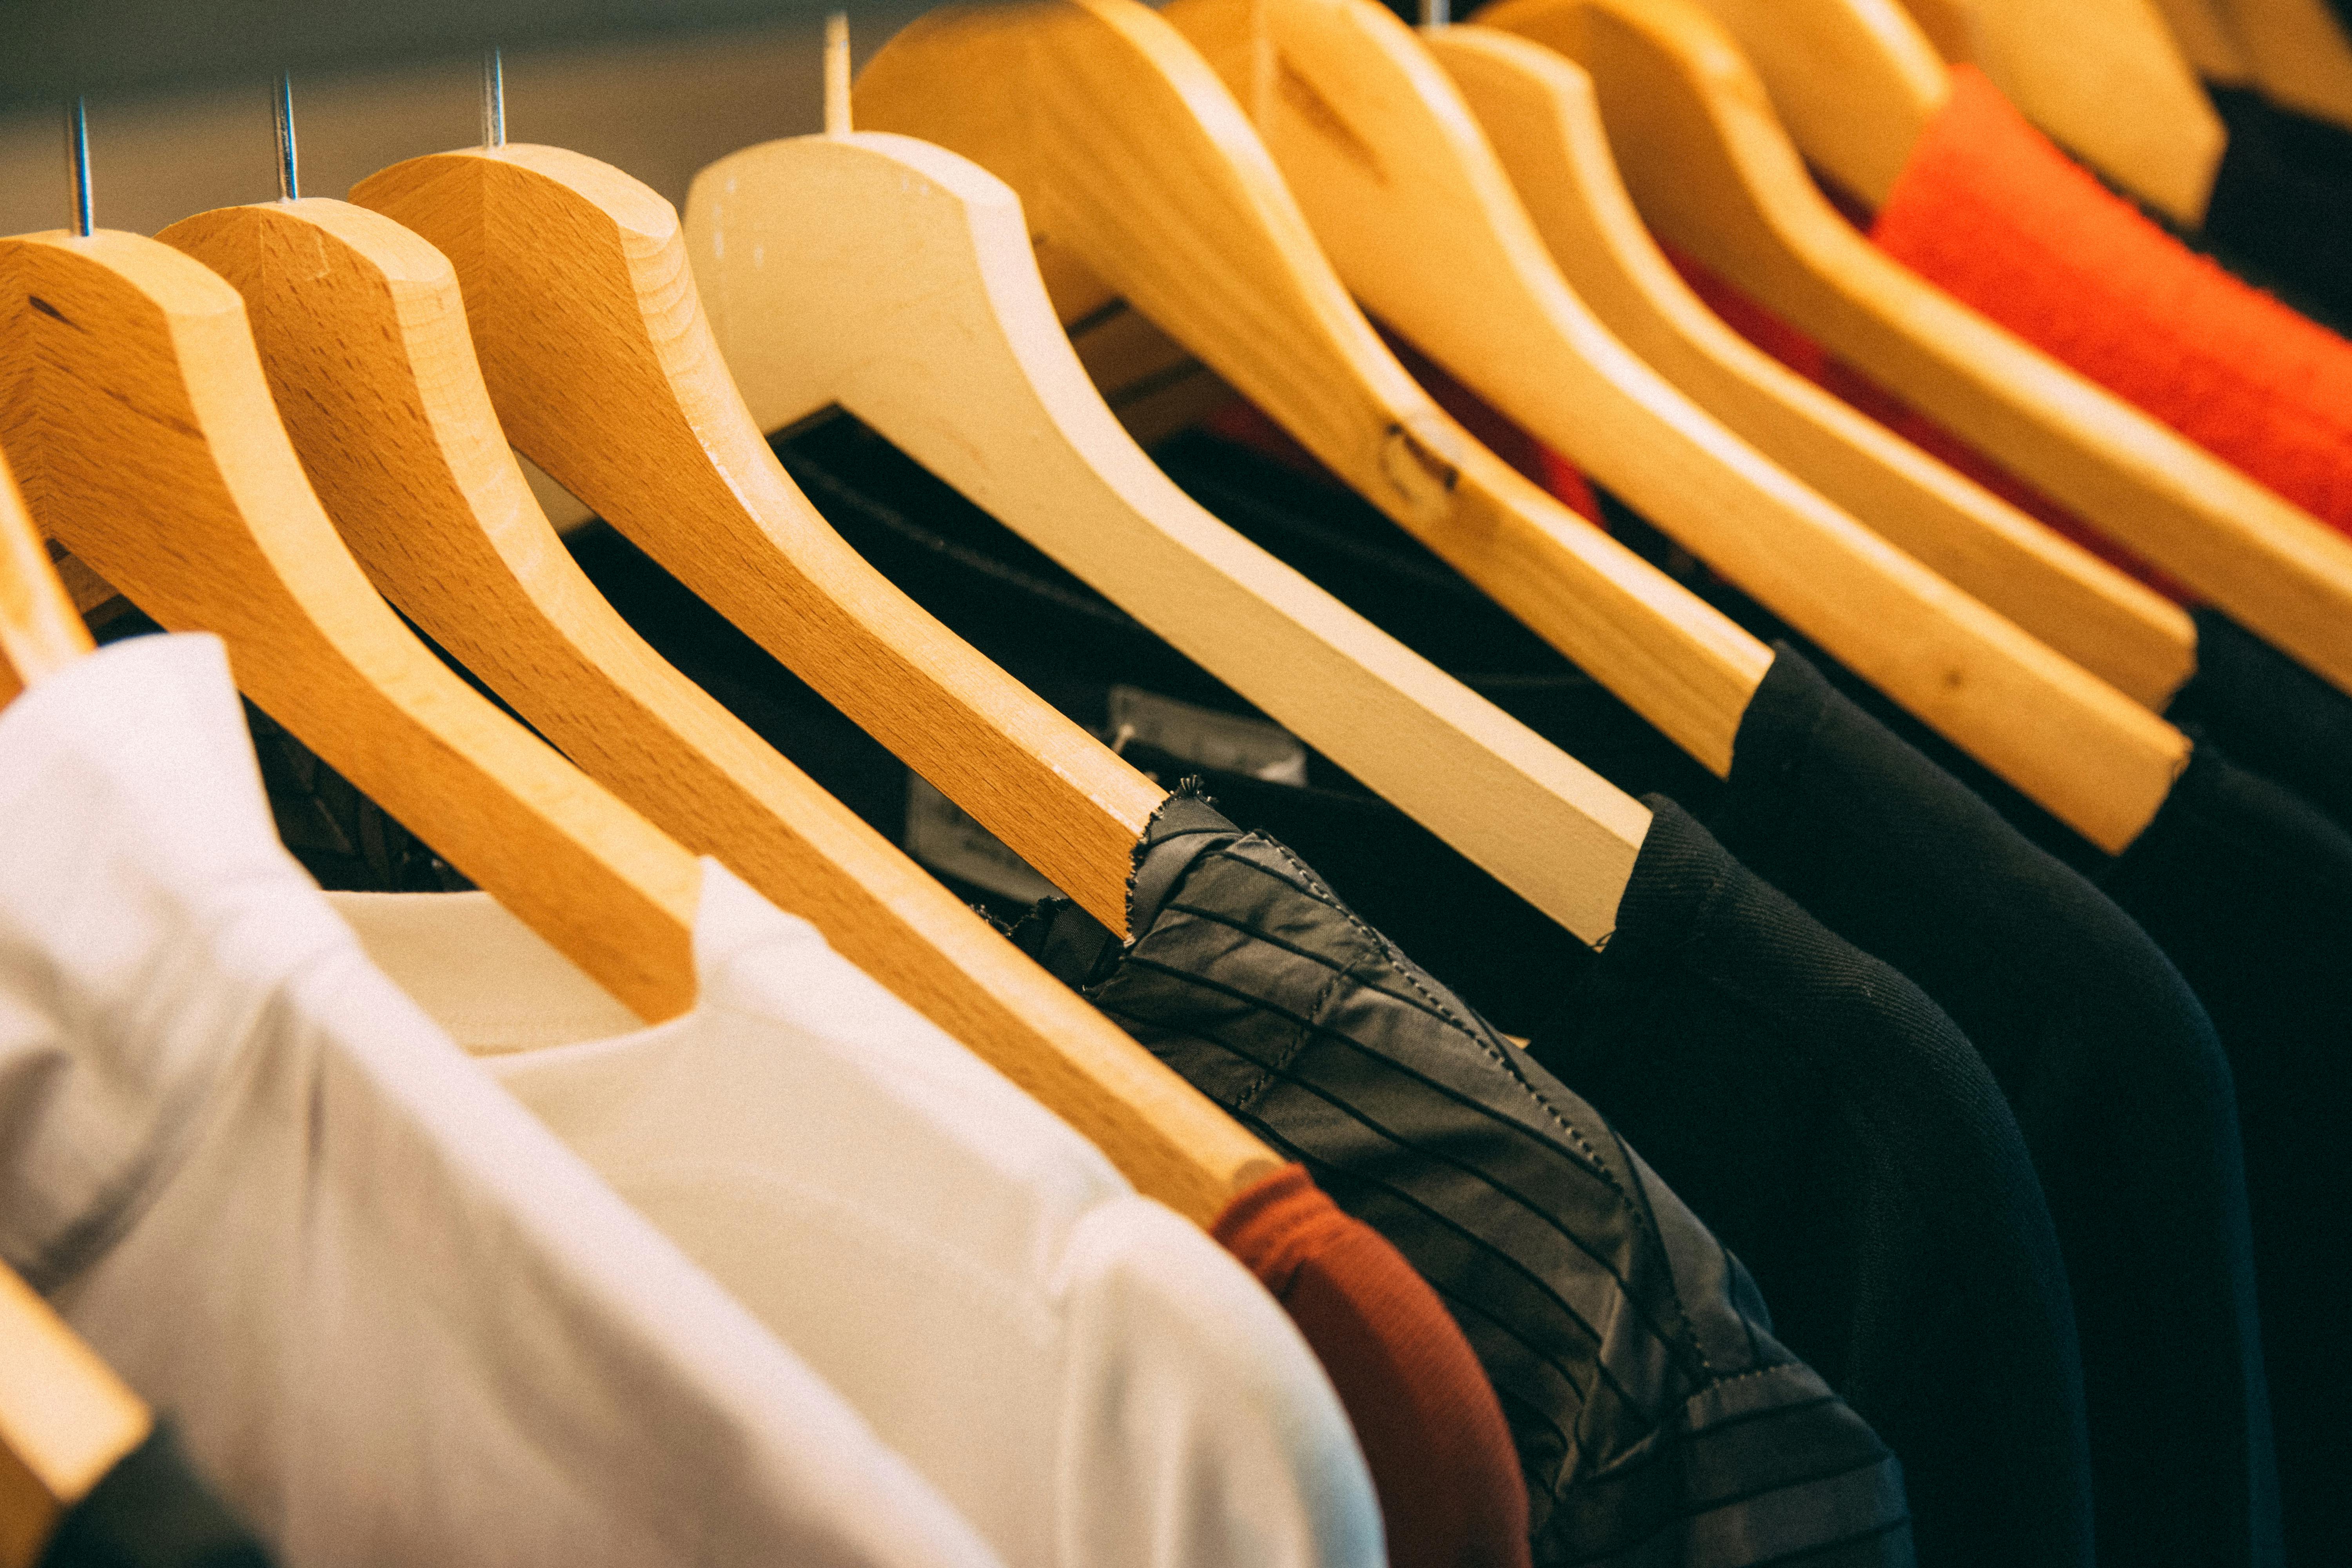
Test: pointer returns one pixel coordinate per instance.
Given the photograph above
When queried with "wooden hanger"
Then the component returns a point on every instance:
(2107, 80)
(1145, 181)
(2301, 54)
(40, 631)
(66, 1419)
(895, 280)
(1538, 111)
(2201, 28)
(142, 433)
(1857, 82)
(362, 335)
(1715, 176)
(1421, 221)
(603, 373)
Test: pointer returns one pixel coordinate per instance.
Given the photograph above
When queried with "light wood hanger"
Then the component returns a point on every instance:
(2301, 54)
(143, 431)
(1538, 111)
(2107, 79)
(1857, 82)
(1714, 176)
(66, 1419)
(362, 335)
(40, 631)
(1145, 181)
(1412, 209)
(2202, 28)
(895, 280)
(602, 369)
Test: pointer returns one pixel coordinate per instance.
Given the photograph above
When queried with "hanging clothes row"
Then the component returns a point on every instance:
(1572, 788)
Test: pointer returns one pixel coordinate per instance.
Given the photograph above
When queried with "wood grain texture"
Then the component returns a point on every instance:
(2301, 54)
(1412, 206)
(1538, 111)
(1714, 175)
(597, 355)
(895, 280)
(2107, 80)
(362, 335)
(133, 408)
(65, 1420)
(1134, 163)
(40, 630)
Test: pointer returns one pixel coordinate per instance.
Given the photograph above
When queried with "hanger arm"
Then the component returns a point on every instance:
(2209, 40)
(362, 335)
(1715, 176)
(65, 1421)
(1128, 155)
(1538, 111)
(141, 429)
(39, 629)
(602, 366)
(896, 280)
(2301, 54)
(1421, 221)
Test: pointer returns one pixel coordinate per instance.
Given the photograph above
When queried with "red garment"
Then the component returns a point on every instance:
(1812, 361)
(1450, 1493)
(1989, 211)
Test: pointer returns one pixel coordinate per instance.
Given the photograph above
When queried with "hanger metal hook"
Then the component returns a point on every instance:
(78, 164)
(836, 74)
(290, 174)
(494, 97)
(1436, 14)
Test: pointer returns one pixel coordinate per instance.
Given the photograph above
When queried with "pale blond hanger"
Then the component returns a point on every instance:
(895, 280)
(1422, 223)
(1715, 176)
(66, 1419)
(143, 431)
(363, 335)
(40, 631)
(1145, 180)
(2301, 54)
(603, 373)
(1538, 111)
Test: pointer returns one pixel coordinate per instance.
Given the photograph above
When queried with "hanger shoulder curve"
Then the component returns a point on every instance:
(65, 1420)
(143, 431)
(1421, 221)
(40, 631)
(1538, 111)
(1714, 175)
(1169, 198)
(916, 305)
(2301, 54)
(601, 367)
(2209, 40)
(362, 333)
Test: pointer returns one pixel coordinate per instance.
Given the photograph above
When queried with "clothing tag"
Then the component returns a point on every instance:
(941, 836)
(1205, 736)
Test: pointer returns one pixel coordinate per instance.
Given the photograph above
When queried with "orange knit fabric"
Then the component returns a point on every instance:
(1993, 214)
(1450, 1493)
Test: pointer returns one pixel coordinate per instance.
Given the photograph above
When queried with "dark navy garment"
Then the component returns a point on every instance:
(152, 1510)
(1658, 1418)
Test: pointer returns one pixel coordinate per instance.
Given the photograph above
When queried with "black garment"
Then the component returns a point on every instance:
(2268, 713)
(2111, 1063)
(1657, 1419)
(2281, 213)
(152, 1510)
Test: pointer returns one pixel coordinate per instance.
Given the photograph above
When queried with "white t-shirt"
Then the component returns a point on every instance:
(1087, 1376)
(396, 1321)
